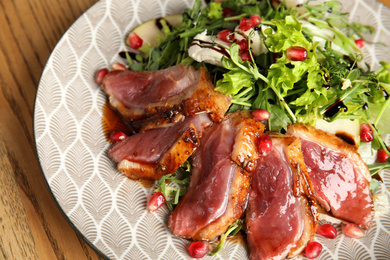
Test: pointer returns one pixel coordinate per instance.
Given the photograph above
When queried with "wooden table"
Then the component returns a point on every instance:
(31, 225)
(385, 2)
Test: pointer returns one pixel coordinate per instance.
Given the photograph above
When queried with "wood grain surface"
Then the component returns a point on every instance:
(385, 2)
(31, 225)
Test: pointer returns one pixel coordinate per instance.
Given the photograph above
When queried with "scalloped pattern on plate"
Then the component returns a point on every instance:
(107, 208)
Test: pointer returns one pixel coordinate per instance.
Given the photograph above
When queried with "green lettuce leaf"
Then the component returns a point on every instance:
(233, 81)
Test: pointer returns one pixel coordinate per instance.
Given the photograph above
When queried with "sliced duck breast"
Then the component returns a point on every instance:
(164, 94)
(281, 216)
(217, 194)
(153, 153)
(339, 176)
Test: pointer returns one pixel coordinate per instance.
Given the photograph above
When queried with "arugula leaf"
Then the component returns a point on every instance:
(232, 231)
(172, 192)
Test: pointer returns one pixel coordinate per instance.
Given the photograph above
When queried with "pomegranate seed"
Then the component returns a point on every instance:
(226, 36)
(360, 43)
(366, 134)
(382, 155)
(255, 19)
(118, 66)
(245, 56)
(156, 201)
(296, 53)
(117, 136)
(313, 250)
(243, 43)
(100, 74)
(227, 12)
(327, 230)
(353, 230)
(264, 144)
(198, 249)
(261, 114)
(135, 41)
(245, 24)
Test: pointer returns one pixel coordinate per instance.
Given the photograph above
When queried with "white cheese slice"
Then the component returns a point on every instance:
(204, 49)
(209, 49)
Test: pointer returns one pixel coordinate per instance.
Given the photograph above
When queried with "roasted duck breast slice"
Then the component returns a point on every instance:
(339, 176)
(281, 216)
(217, 194)
(159, 151)
(164, 94)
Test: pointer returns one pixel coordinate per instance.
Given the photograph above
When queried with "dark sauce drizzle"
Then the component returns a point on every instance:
(159, 24)
(346, 137)
(385, 94)
(204, 44)
(335, 108)
(132, 55)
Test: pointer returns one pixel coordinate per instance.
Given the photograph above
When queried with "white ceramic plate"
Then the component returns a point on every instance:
(108, 209)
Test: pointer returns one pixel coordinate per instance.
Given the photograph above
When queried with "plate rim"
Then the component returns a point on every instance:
(46, 181)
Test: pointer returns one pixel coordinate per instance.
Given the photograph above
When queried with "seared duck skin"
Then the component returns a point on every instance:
(339, 176)
(159, 151)
(162, 96)
(218, 191)
(281, 217)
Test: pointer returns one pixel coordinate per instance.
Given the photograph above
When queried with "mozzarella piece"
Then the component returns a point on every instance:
(204, 48)
(257, 44)
(209, 49)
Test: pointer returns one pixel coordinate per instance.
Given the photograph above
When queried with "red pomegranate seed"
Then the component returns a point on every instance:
(243, 43)
(225, 35)
(327, 230)
(245, 24)
(227, 12)
(353, 230)
(264, 144)
(245, 56)
(156, 201)
(296, 53)
(313, 250)
(360, 43)
(382, 155)
(260, 114)
(100, 74)
(118, 66)
(255, 19)
(117, 136)
(198, 249)
(135, 41)
(366, 134)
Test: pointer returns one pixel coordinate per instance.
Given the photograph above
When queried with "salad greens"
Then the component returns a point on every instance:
(293, 91)
(333, 82)
(181, 178)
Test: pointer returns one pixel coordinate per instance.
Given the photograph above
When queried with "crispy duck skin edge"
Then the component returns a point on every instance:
(333, 142)
(238, 201)
(171, 161)
(246, 154)
(303, 189)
